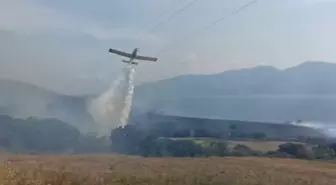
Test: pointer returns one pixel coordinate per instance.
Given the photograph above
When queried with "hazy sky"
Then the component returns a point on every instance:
(63, 45)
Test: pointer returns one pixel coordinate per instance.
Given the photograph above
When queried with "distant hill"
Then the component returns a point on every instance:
(24, 100)
(307, 78)
(306, 91)
(167, 124)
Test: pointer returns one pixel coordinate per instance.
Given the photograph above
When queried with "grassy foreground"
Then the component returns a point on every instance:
(119, 170)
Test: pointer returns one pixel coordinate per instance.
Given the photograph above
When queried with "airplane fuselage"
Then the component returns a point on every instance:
(134, 53)
(132, 56)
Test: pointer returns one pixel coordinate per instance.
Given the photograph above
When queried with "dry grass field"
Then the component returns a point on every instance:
(121, 170)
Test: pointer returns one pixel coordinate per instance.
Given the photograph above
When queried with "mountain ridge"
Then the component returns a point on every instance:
(255, 77)
(241, 94)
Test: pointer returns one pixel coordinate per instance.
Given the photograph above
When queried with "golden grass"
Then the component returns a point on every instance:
(123, 170)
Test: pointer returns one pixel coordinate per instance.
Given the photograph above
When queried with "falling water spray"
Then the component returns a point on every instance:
(129, 74)
(112, 108)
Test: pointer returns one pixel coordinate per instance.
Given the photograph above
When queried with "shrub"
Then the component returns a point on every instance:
(242, 150)
(324, 152)
(126, 140)
(278, 154)
(216, 148)
(298, 150)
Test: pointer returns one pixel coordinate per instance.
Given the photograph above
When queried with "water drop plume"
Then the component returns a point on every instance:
(112, 108)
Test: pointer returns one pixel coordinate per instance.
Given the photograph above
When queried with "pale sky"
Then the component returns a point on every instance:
(63, 45)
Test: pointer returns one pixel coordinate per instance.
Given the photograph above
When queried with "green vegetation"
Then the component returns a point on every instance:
(298, 150)
(50, 136)
(131, 141)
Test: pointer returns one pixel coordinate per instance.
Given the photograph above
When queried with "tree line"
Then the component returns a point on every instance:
(43, 136)
(132, 141)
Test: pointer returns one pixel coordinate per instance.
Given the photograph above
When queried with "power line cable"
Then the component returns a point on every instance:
(215, 22)
(162, 13)
(177, 12)
(165, 11)
(234, 12)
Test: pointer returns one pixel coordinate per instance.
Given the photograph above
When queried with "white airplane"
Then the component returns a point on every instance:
(132, 56)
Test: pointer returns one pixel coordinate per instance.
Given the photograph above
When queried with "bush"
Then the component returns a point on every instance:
(324, 152)
(216, 148)
(127, 140)
(278, 154)
(242, 150)
(298, 150)
(183, 148)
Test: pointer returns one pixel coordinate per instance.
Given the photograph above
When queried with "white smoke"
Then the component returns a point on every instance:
(327, 129)
(112, 108)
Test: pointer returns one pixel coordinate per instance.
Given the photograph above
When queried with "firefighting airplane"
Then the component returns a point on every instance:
(132, 56)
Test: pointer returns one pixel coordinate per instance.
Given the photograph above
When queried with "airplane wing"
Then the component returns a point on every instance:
(120, 53)
(146, 58)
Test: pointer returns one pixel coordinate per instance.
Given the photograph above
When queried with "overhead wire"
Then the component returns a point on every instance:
(215, 22)
(177, 12)
(234, 12)
(165, 11)
(161, 14)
